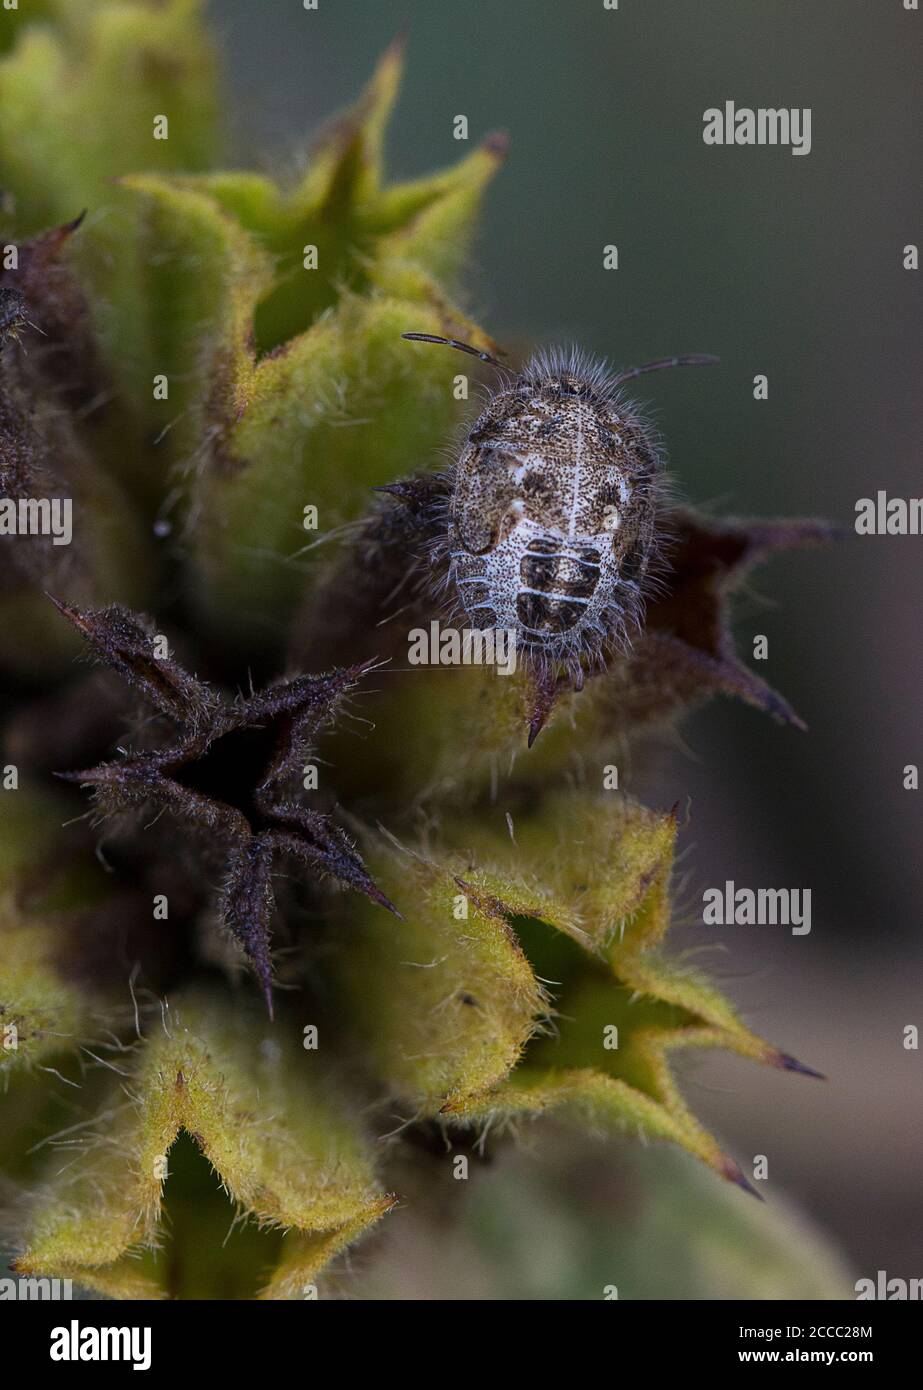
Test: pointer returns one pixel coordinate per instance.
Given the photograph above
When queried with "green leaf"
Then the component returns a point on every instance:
(582, 1220)
(255, 1107)
(346, 167)
(41, 1012)
(444, 1004)
(434, 220)
(336, 412)
(290, 385)
(79, 97)
(552, 993)
(204, 275)
(43, 1009)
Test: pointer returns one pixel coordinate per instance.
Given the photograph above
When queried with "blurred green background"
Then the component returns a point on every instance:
(788, 266)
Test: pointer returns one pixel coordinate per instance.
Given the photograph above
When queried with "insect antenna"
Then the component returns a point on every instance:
(699, 359)
(461, 347)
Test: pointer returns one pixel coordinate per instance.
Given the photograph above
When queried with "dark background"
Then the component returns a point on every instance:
(783, 265)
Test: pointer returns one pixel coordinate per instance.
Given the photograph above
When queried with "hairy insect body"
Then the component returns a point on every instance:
(12, 314)
(552, 520)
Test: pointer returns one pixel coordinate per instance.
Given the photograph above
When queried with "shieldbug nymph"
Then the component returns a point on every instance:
(553, 517)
